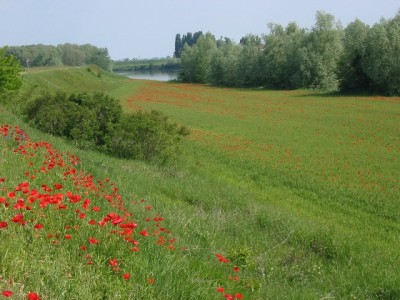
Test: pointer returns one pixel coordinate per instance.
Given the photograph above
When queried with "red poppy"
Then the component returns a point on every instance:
(93, 241)
(68, 236)
(7, 293)
(58, 186)
(128, 225)
(3, 225)
(234, 278)
(33, 296)
(238, 296)
(38, 226)
(221, 258)
(220, 289)
(144, 233)
(11, 195)
(113, 262)
(20, 204)
(102, 223)
(19, 218)
(126, 276)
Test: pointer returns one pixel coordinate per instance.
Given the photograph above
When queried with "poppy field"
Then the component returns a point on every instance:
(275, 195)
(68, 235)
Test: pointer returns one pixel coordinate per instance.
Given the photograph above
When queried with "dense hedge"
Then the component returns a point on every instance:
(96, 121)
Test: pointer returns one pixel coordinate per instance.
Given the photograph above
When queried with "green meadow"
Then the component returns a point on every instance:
(298, 190)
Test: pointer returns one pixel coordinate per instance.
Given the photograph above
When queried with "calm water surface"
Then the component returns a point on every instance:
(147, 75)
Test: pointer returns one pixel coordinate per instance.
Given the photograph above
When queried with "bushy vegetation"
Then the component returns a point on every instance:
(96, 121)
(146, 136)
(326, 57)
(65, 54)
(10, 78)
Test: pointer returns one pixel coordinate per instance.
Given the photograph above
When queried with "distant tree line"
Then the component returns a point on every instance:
(167, 64)
(65, 54)
(327, 57)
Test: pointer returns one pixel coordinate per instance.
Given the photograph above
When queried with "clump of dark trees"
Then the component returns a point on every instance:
(96, 121)
(65, 54)
(358, 58)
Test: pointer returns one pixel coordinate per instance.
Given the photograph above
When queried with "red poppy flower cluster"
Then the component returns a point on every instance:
(93, 204)
(233, 278)
(79, 193)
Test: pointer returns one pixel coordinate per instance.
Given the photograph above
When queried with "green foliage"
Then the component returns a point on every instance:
(224, 65)
(282, 56)
(65, 54)
(145, 136)
(96, 122)
(381, 61)
(196, 59)
(326, 57)
(81, 117)
(10, 68)
(352, 74)
(323, 47)
(190, 39)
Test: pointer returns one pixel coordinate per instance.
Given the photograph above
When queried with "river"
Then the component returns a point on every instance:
(151, 75)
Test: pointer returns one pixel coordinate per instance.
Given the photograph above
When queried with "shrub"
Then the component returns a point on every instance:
(146, 136)
(96, 122)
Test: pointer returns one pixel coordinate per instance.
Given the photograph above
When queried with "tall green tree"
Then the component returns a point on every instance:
(178, 45)
(352, 74)
(320, 57)
(196, 59)
(250, 62)
(282, 56)
(10, 68)
(224, 64)
(382, 56)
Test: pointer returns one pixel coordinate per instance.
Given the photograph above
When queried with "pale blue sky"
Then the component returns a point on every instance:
(147, 28)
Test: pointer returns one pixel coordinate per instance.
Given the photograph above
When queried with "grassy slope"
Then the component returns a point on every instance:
(72, 79)
(324, 166)
(289, 185)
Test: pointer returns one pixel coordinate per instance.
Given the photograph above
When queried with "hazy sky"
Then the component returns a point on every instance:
(147, 28)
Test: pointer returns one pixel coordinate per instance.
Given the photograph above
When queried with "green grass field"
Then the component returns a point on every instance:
(298, 189)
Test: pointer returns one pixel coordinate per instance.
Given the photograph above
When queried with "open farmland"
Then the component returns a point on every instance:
(323, 142)
(325, 167)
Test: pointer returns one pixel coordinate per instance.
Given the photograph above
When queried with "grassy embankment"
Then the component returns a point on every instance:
(298, 189)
